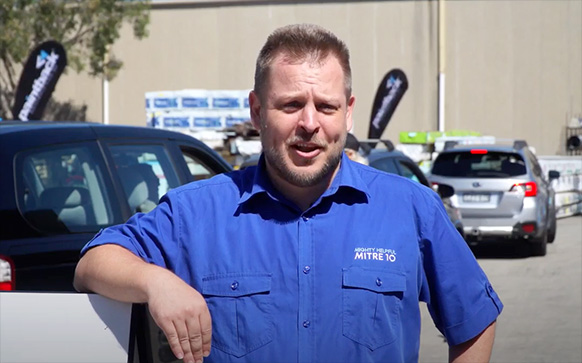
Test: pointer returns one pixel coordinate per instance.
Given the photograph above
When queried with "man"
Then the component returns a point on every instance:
(307, 257)
(352, 149)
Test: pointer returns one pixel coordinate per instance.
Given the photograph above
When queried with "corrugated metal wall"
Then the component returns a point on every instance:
(513, 68)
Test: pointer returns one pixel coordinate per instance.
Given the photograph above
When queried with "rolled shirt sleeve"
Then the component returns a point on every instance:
(153, 236)
(460, 298)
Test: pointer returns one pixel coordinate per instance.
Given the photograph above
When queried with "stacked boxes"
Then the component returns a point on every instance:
(193, 110)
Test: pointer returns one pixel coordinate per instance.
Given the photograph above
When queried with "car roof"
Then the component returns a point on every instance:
(85, 130)
(514, 146)
(376, 154)
(489, 147)
(7, 127)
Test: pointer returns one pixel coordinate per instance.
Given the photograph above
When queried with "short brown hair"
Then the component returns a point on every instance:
(301, 42)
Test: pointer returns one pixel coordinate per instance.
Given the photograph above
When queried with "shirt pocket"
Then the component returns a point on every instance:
(240, 307)
(372, 302)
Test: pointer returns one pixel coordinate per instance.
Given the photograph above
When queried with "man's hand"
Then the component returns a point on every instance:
(182, 314)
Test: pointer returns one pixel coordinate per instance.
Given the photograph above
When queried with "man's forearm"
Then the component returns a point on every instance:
(115, 272)
(475, 350)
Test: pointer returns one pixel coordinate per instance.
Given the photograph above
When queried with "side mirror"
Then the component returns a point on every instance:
(553, 174)
(445, 191)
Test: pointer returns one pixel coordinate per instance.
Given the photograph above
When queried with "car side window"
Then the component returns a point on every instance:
(407, 172)
(197, 167)
(146, 174)
(385, 164)
(62, 189)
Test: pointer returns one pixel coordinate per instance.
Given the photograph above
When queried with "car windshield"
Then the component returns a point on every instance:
(480, 164)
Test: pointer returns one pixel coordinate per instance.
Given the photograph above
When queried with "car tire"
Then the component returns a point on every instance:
(539, 247)
(552, 229)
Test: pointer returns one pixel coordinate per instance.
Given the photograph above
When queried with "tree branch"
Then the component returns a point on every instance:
(77, 37)
(7, 62)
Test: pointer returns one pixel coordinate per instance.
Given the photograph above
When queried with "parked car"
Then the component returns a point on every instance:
(501, 192)
(63, 182)
(396, 162)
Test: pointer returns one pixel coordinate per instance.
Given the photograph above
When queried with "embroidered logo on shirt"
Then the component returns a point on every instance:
(374, 254)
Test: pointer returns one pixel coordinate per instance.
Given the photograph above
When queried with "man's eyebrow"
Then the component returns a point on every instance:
(328, 99)
(290, 94)
(288, 97)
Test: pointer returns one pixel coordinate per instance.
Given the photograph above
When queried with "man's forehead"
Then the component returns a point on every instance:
(327, 68)
(312, 59)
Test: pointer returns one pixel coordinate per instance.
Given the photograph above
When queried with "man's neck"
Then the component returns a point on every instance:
(303, 197)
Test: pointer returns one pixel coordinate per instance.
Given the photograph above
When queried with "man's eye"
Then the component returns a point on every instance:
(326, 108)
(291, 106)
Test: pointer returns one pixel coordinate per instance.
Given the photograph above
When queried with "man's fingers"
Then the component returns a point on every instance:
(206, 329)
(187, 325)
(173, 339)
(190, 355)
(195, 338)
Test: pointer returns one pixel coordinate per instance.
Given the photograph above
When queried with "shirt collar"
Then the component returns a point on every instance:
(260, 182)
(348, 176)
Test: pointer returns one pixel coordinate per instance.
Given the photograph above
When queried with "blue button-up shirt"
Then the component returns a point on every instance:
(339, 282)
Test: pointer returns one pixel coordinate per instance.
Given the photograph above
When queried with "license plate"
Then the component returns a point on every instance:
(476, 198)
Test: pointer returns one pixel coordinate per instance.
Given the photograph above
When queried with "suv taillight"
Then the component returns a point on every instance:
(530, 188)
(6, 274)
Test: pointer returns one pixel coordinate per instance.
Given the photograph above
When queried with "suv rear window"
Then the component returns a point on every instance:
(487, 164)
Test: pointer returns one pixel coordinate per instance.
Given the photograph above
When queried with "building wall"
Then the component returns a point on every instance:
(513, 68)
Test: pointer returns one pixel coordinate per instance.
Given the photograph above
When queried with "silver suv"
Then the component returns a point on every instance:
(500, 191)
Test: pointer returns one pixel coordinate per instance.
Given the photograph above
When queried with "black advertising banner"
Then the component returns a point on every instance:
(37, 82)
(389, 94)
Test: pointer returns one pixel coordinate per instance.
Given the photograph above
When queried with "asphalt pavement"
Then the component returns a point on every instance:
(542, 297)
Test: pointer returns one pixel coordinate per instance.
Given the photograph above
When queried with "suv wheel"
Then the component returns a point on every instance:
(552, 229)
(539, 247)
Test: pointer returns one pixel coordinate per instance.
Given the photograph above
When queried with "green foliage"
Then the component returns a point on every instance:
(86, 28)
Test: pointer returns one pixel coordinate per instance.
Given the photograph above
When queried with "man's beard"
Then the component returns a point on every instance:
(277, 161)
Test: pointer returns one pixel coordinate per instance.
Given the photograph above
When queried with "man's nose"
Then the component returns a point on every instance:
(309, 121)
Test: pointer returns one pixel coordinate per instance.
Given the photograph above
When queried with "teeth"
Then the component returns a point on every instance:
(305, 147)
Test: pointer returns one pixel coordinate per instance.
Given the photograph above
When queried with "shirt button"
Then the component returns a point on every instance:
(234, 285)
(306, 324)
(378, 282)
(306, 269)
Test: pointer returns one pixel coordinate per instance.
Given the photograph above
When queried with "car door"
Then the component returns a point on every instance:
(148, 168)
(63, 194)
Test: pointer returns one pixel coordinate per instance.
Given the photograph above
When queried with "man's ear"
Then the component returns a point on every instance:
(349, 112)
(350, 153)
(255, 108)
